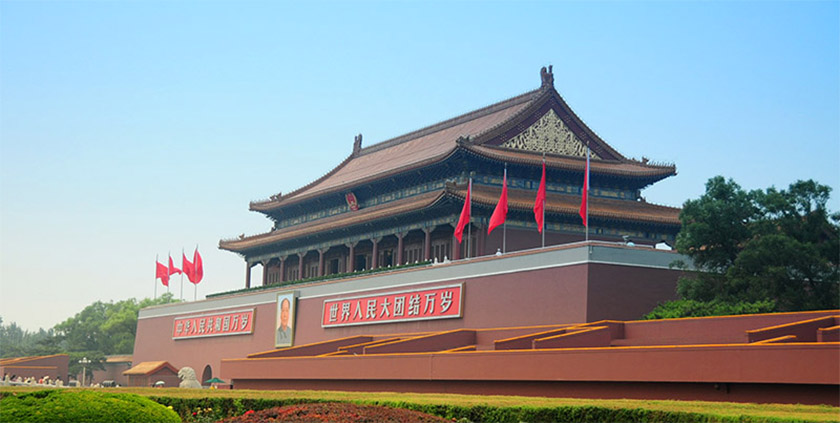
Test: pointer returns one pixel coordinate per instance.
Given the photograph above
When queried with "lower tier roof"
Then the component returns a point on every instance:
(483, 197)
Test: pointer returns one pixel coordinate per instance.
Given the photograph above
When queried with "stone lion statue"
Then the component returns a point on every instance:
(188, 378)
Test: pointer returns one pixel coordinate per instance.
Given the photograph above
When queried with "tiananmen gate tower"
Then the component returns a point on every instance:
(366, 287)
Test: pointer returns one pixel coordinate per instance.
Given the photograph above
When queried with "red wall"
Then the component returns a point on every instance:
(627, 293)
(570, 294)
(54, 366)
(154, 342)
(526, 298)
(113, 371)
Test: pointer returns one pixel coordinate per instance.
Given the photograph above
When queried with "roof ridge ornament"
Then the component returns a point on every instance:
(547, 77)
(357, 144)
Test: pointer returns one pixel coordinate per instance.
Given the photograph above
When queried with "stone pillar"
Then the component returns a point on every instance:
(321, 261)
(374, 261)
(247, 275)
(427, 244)
(400, 237)
(300, 264)
(282, 268)
(351, 259)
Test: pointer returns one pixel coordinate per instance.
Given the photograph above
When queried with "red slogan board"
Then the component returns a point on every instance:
(237, 322)
(424, 304)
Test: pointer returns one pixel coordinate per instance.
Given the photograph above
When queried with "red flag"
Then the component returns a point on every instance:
(172, 269)
(162, 273)
(465, 215)
(584, 200)
(198, 268)
(500, 213)
(539, 203)
(187, 267)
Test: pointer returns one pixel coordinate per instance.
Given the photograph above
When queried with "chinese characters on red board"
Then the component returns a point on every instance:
(218, 324)
(433, 303)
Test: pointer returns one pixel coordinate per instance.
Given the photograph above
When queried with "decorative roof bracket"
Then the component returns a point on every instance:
(547, 77)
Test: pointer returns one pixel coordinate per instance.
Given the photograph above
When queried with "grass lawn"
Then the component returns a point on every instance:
(776, 412)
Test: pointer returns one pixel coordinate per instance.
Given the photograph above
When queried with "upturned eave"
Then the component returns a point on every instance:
(627, 168)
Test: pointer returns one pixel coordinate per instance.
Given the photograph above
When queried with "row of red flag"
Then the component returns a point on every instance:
(193, 270)
(500, 212)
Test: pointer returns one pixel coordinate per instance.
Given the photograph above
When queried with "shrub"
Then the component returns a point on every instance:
(64, 405)
(220, 407)
(337, 412)
(691, 308)
(228, 407)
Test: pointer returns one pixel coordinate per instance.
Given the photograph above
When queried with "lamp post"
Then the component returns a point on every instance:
(84, 362)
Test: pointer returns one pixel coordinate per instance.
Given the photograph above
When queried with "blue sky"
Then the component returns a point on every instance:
(132, 129)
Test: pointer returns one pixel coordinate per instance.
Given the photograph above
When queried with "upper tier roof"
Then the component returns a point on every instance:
(507, 131)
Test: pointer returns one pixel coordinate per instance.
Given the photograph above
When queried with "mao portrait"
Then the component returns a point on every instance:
(285, 320)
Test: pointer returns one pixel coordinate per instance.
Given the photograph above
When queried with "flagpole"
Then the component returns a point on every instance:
(182, 273)
(542, 230)
(587, 193)
(195, 292)
(504, 225)
(156, 262)
(168, 269)
(469, 222)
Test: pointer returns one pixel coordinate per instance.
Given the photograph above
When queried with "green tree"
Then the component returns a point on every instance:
(105, 328)
(102, 329)
(752, 248)
(16, 342)
(98, 330)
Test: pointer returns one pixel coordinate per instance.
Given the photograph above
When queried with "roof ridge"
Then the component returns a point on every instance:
(457, 120)
(469, 116)
(264, 207)
(540, 97)
(587, 128)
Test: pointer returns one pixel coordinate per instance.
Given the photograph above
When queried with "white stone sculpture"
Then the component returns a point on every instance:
(188, 378)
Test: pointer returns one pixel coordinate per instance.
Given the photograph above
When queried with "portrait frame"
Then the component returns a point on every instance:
(285, 337)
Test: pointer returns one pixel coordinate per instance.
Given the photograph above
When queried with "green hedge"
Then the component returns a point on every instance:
(486, 413)
(71, 405)
(689, 308)
(212, 409)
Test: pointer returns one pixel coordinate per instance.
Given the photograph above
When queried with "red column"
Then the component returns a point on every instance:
(247, 275)
(482, 238)
(300, 264)
(282, 268)
(321, 262)
(375, 259)
(400, 237)
(427, 244)
(456, 248)
(351, 260)
(265, 273)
